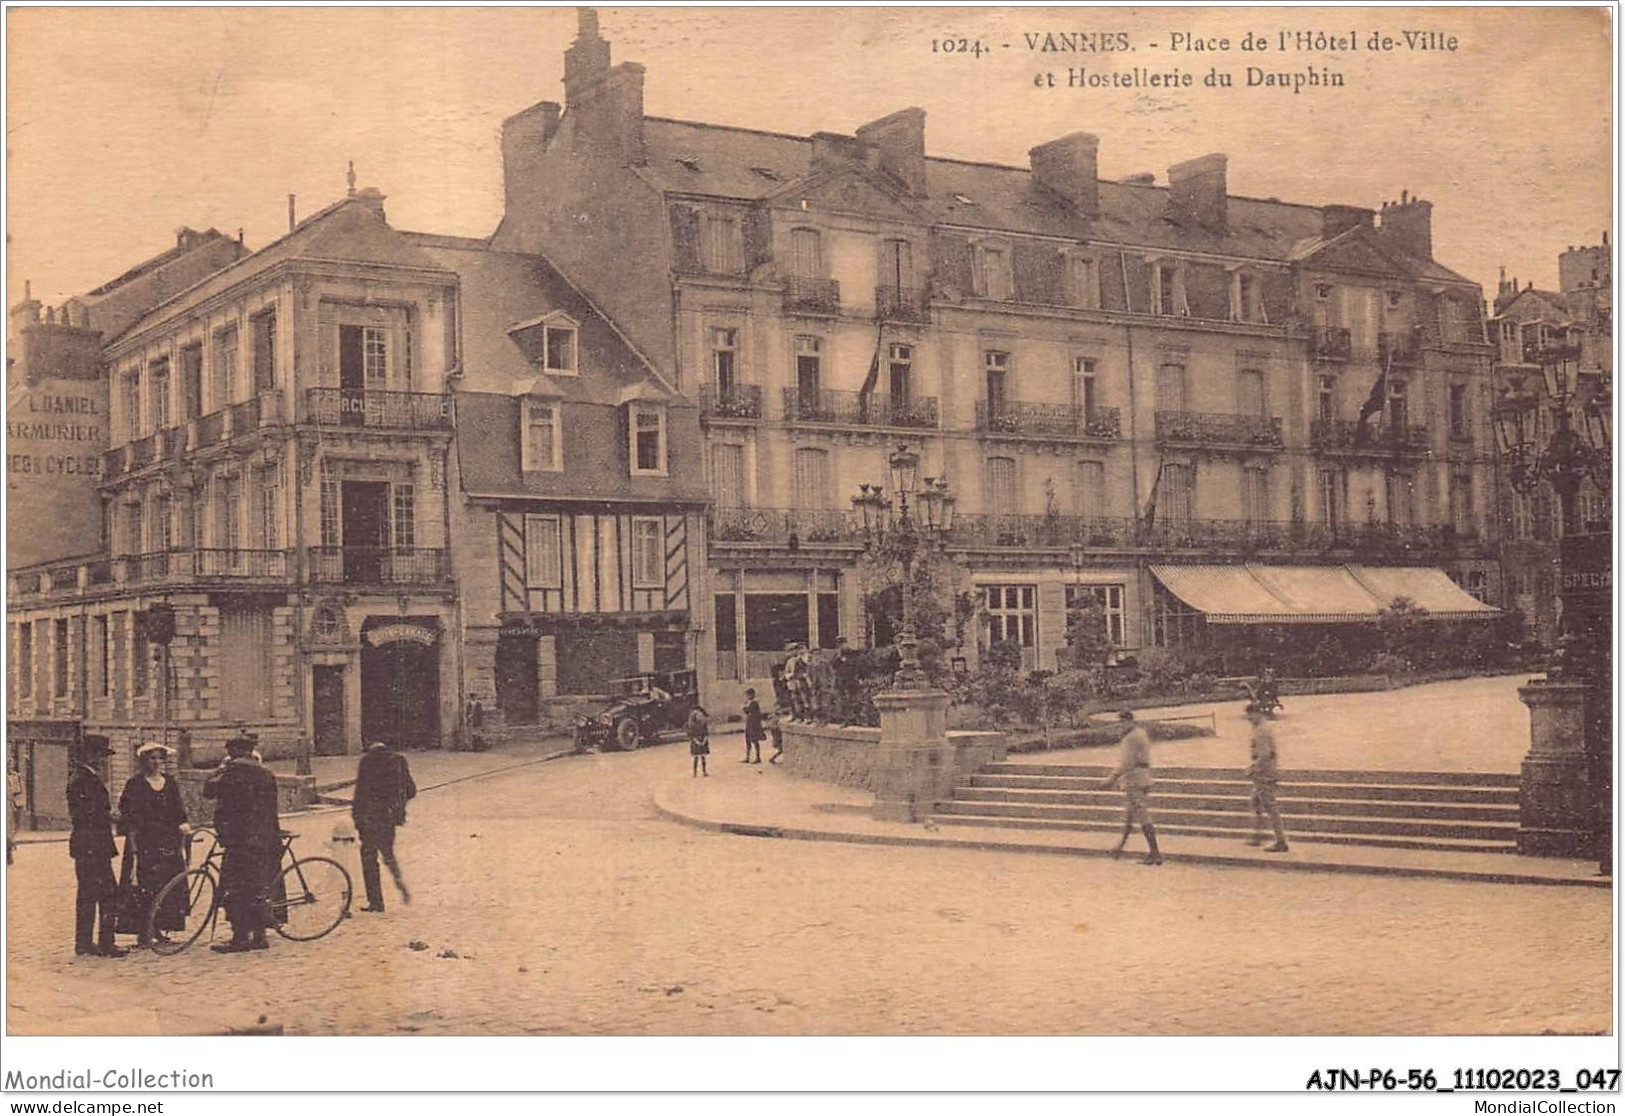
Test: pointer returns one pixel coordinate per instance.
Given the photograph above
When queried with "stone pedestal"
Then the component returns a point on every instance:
(1554, 796)
(914, 768)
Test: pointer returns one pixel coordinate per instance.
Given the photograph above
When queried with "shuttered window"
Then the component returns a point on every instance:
(1001, 485)
(543, 568)
(812, 479)
(1177, 500)
(728, 475)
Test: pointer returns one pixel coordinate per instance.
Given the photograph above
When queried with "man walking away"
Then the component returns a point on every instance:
(91, 845)
(1265, 772)
(1134, 772)
(383, 784)
(245, 820)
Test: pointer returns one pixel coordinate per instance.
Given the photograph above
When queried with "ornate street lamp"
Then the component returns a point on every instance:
(895, 532)
(1579, 410)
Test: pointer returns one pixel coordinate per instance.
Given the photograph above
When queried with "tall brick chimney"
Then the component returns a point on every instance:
(605, 101)
(1408, 225)
(900, 141)
(1070, 167)
(1198, 192)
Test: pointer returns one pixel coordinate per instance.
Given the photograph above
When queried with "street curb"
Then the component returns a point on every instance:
(742, 829)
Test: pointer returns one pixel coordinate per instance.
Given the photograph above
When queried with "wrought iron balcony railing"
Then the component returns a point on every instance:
(812, 296)
(378, 410)
(902, 304)
(1205, 429)
(735, 401)
(1047, 420)
(778, 526)
(854, 408)
(1550, 352)
(1331, 343)
(1250, 536)
(1351, 436)
(379, 565)
(977, 531)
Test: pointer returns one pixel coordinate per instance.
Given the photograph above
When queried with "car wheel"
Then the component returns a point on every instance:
(626, 735)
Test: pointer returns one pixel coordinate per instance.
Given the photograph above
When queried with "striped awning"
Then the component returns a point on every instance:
(1251, 594)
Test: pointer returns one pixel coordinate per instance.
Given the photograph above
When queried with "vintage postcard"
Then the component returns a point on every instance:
(699, 521)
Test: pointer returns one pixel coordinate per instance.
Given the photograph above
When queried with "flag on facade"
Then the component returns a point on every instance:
(1151, 504)
(873, 378)
(1379, 392)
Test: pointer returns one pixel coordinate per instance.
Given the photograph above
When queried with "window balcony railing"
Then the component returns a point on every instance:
(142, 451)
(1389, 540)
(237, 562)
(1331, 343)
(736, 401)
(379, 565)
(378, 410)
(245, 416)
(1550, 352)
(854, 408)
(1196, 428)
(211, 428)
(778, 526)
(1351, 436)
(172, 442)
(1403, 347)
(812, 296)
(201, 564)
(978, 531)
(902, 304)
(1047, 420)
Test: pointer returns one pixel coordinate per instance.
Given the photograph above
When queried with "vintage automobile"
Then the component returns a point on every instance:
(640, 708)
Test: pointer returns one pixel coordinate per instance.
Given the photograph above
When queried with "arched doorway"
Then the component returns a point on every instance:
(400, 682)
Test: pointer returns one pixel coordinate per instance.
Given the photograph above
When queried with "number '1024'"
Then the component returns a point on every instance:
(959, 46)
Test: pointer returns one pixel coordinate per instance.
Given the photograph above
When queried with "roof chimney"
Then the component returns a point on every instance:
(1408, 225)
(1198, 193)
(606, 102)
(900, 140)
(831, 149)
(525, 135)
(1335, 220)
(1069, 166)
(291, 221)
(587, 59)
(373, 199)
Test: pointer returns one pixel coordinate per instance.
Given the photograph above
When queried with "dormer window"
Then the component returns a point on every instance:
(1082, 281)
(541, 441)
(990, 271)
(559, 349)
(550, 343)
(1168, 290)
(647, 448)
(722, 250)
(1246, 298)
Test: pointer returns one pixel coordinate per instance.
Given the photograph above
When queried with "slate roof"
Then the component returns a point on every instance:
(146, 266)
(348, 231)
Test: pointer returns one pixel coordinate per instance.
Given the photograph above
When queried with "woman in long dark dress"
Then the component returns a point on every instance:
(153, 820)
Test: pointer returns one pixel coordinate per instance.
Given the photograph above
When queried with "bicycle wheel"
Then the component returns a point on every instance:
(201, 904)
(313, 899)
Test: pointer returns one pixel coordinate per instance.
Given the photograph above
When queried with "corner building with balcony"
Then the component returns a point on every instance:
(1118, 378)
(276, 473)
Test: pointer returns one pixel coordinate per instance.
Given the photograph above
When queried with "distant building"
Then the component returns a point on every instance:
(1152, 395)
(1527, 326)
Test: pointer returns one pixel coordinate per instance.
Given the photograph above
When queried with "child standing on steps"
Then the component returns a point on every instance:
(699, 744)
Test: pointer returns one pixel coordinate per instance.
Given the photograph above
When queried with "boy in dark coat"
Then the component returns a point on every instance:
(383, 784)
(754, 733)
(91, 846)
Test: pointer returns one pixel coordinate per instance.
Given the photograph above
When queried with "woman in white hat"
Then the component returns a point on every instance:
(153, 820)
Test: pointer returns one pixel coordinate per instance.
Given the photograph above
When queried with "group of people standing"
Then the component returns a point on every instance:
(819, 685)
(1133, 774)
(152, 817)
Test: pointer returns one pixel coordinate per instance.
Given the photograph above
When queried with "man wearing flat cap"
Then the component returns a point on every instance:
(245, 820)
(91, 845)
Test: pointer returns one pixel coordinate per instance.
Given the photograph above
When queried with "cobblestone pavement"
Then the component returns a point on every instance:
(573, 908)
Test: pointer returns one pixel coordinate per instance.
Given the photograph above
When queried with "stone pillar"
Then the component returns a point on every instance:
(915, 766)
(1554, 799)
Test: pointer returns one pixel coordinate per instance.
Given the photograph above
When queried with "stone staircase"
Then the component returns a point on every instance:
(1449, 811)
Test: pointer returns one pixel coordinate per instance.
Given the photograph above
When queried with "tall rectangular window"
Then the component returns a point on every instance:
(103, 681)
(648, 546)
(403, 516)
(163, 536)
(809, 369)
(264, 325)
(996, 374)
(25, 659)
(1255, 494)
(720, 243)
(648, 440)
(559, 349)
(1170, 386)
(135, 538)
(1177, 500)
(1326, 401)
(1250, 392)
(1523, 516)
(897, 264)
(158, 392)
(1400, 488)
(130, 384)
(1082, 282)
(991, 276)
(191, 382)
(59, 649)
(1333, 498)
(1012, 614)
(223, 381)
(1460, 416)
(1110, 599)
(899, 372)
(542, 445)
(1168, 290)
(1085, 387)
(728, 474)
(375, 357)
(1398, 408)
(725, 362)
(1461, 503)
(1092, 489)
(140, 656)
(269, 491)
(330, 522)
(228, 511)
(543, 567)
(812, 479)
(1001, 486)
(807, 253)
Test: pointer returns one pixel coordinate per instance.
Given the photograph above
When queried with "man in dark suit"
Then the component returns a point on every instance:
(383, 783)
(245, 820)
(91, 846)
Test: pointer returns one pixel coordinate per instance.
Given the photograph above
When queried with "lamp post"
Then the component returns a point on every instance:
(914, 763)
(1565, 800)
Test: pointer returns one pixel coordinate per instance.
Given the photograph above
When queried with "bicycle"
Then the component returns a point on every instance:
(308, 899)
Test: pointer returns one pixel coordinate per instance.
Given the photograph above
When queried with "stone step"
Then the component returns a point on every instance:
(1165, 829)
(1237, 820)
(1387, 792)
(1291, 804)
(1410, 778)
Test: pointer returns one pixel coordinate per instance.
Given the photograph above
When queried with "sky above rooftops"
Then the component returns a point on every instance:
(124, 124)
